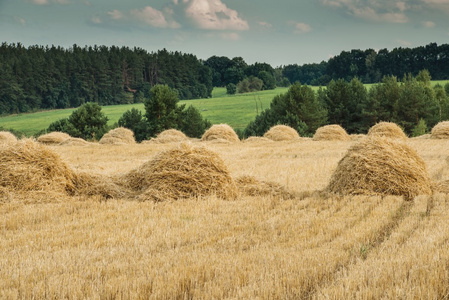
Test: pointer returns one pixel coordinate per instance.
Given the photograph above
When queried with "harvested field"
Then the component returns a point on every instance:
(279, 238)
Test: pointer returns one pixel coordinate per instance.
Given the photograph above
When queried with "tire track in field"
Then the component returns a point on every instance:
(357, 240)
(413, 262)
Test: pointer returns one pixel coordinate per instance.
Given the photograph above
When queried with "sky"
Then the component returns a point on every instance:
(278, 32)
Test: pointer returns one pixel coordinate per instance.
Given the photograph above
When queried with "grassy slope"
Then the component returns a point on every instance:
(236, 110)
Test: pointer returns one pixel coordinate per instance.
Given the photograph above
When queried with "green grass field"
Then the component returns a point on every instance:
(236, 110)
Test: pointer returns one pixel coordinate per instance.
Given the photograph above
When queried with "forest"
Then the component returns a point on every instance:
(50, 77)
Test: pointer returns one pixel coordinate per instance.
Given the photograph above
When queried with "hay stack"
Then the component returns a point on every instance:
(387, 129)
(118, 136)
(380, 166)
(258, 139)
(250, 186)
(7, 137)
(94, 184)
(75, 142)
(220, 132)
(53, 138)
(170, 136)
(331, 133)
(281, 133)
(30, 166)
(440, 131)
(181, 172)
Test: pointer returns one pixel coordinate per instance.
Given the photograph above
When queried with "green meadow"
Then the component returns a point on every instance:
(236, 110)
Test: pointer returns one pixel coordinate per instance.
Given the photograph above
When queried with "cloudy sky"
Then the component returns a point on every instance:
(278, 32)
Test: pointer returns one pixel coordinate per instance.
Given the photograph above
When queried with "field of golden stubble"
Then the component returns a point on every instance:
(254, 247)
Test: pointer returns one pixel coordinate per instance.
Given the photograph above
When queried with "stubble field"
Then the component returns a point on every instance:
(56, 246)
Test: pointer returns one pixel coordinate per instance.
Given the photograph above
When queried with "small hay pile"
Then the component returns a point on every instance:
(170, 136)
(94, 184)
(118, 136)
(250, 186)
(380, 166)
(387, 129)
(181, 172)
(30, 166)
(7, 137)
(75, 142)
(331, 133)
(257, 139)
(220, 132)
(356, 137)
(53, 138)
(440, 131)
(281, 133)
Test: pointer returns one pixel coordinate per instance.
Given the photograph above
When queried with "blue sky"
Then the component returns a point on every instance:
(278, 32)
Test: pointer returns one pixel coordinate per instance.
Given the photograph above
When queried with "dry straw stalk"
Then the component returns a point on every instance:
(118, 136)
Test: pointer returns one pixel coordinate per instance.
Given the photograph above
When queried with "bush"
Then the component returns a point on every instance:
(231, 89)
(250, 84)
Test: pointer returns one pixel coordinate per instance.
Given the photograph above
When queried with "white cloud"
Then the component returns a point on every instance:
(116, 14)
(428, 24)
(153, 17)
(230, 36)
(404, 43)
(214, 15)
(46, 2)
(301, 28)
(20, 20)
(96, 20)
(40, 2)
(372, 10)
(265, 24)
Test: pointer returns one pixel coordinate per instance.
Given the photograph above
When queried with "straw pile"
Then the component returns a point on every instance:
(331, 133)
(7, 137)
(440, 131)
(30, 166)
(281, 133)
(53, 138)
(170, 136)
(118, 136)
(250, 186)
(380, 166)
(257, 139)
(94, 184)
(387, 129)
(220, 132)
(181, 172)
(356, 137)
(75, 142)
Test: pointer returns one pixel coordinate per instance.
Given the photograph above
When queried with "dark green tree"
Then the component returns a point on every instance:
(88, 122)
(161, 109)
(193, 124)
(231, 89)
(133, 120)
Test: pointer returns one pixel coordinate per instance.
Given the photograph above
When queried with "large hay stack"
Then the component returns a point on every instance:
(7, 137)
(387, 129)
(53, 138)
(75, 142)
(30, 166)
(440, 131)
(380, 166)
(181, 172)
(170, 136)
(331, 133)
(118, 136)
(220, 132)
(281, 133)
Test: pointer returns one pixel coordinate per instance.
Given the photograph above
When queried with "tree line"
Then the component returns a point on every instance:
(410, 102)
(40, 77)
